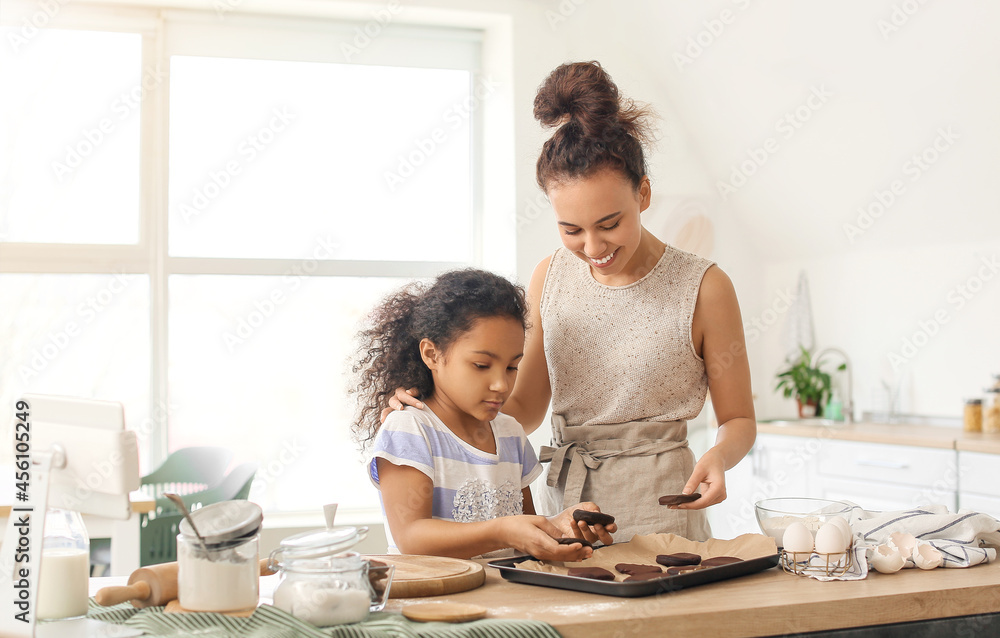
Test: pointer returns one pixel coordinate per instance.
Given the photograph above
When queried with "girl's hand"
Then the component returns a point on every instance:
(401, 399)
(709, 474)
(536, 535)
(578, 529)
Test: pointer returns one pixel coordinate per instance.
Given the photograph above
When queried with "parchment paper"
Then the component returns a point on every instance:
(643, 549)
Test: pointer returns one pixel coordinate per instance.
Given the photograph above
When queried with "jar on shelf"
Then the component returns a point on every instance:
(991, 411)
(321, 583)
(223, 574)
(973, 417)
(65, 569)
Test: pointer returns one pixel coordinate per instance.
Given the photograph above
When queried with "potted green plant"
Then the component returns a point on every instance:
(809, 385)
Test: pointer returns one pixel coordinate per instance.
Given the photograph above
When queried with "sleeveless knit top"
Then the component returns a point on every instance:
(623, 353)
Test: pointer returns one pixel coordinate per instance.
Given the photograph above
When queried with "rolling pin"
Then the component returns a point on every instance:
(151, 586)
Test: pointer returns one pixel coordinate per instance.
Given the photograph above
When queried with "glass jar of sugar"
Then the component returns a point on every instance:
(223, 573)
(320, 582)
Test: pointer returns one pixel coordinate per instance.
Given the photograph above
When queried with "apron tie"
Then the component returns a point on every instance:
(587, 455)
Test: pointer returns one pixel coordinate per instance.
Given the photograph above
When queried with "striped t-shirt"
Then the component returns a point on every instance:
(469, 484)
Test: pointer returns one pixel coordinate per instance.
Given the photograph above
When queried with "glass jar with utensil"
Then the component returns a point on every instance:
(218, 566)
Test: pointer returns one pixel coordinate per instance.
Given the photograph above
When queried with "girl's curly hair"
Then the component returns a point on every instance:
(388, 355)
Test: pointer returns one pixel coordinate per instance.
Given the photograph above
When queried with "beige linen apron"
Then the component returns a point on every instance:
(623, 468)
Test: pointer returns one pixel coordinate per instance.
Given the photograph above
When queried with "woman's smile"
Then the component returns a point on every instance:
(605, 261)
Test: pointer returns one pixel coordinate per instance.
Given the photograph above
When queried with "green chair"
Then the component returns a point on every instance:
(188, 470)
(158, 532)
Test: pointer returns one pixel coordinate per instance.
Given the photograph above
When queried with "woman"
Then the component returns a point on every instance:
(628, 333)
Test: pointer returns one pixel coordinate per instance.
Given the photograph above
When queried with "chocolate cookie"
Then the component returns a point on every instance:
(593, 518)
(675, 560)
(644, 576)
(683, 569)
(570, 541)
(677, 499)
(720, 560)
(595, 573)
(632, 569)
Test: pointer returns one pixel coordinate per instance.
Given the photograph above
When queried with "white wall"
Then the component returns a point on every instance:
(923, 319)
(873, 84)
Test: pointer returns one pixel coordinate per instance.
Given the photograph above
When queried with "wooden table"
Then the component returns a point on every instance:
(124, 535)
(764, 604)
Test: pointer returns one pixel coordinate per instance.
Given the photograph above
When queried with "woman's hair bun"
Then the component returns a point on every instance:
(598, 127)
(581, 92)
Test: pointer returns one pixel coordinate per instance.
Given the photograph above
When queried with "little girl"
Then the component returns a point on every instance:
(453, 475)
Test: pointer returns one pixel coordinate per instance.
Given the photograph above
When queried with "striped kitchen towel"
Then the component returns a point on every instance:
(271, 622)
(964, 539)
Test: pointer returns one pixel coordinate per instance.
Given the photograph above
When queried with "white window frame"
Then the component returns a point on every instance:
(163, 25)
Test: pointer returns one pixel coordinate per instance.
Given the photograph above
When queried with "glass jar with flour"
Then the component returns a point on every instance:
(221, 570)
(321, 583)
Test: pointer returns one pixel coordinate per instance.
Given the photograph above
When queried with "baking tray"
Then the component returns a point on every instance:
(633, 589)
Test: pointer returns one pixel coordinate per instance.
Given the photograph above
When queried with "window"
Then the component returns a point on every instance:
(196, 210)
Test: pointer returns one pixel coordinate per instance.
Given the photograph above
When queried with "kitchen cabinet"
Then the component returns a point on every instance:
(881, 477)
(876, 476)
(776, 466)
(977, 479)
(871, 496)
(784, 465)
(863, 463)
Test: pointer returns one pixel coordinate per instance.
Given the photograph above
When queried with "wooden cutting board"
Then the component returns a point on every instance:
(174, 607)
(417, 576)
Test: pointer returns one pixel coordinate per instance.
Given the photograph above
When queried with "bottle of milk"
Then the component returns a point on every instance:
(62, 582)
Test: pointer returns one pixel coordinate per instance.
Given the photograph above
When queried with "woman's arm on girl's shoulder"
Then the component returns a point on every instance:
(407, 496)
(717, 333)
(529, 401)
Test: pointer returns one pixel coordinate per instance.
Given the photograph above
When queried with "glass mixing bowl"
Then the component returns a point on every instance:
(775, 514)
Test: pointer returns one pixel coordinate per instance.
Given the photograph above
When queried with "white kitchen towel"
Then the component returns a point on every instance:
(964, 539)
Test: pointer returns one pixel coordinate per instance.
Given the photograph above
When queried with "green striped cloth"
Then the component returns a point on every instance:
(270, 622)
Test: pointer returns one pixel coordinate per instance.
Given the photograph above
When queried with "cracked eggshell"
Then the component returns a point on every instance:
(925, 556)
(887, 559)
(904, 542)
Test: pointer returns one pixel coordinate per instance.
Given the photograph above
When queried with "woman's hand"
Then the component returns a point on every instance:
(401, 399)
(536, 535)
(579, 529)
(710, 476)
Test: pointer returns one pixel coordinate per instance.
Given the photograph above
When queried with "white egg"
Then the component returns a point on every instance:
(830, 539)
(887, 559)
(925, 556)
(797, 540)
(844, 526)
